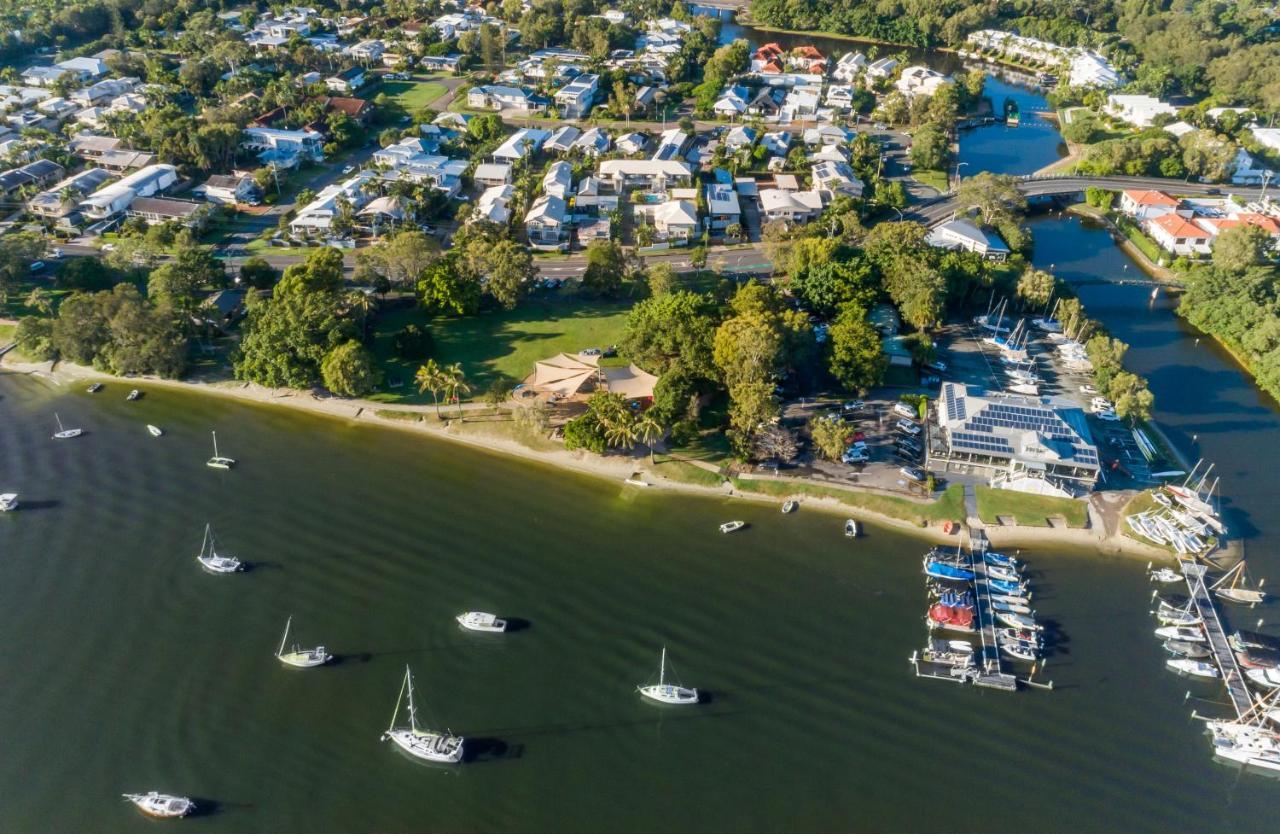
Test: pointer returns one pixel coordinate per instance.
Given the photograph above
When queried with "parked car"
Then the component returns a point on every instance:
(912, 473)
(36, 266)
(347, 169)
(854, 455)
(1088, 389)
(904, 410)
(55, 253)
(908, 443)
(1107, 415)
(853, 405)
(908, 427)
(930, 380)
(936, 365)
(592, 352)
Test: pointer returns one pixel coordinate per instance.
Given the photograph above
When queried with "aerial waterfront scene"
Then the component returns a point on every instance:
(599, 416)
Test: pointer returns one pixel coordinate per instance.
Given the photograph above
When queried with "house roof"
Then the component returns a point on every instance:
(1177, 226)
(353, 107)
(676, 213)
(1151, 198)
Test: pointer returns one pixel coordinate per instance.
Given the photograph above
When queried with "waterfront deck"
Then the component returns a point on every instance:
(991, 672)
(1201, 598)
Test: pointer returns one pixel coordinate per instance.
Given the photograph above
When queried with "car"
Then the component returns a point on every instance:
(904, 442)
(428, 229)
(56, 253)
(853, 405)
(1107, 415)
(591, 352)
(610, 352)
(937, 365)
(347, 169)
(881, 126)
(36, 266)
(930, 380)
(904, 410)
(1088, 389)
(912, 473)
(771, 465)
(854, 455)
(909, 428)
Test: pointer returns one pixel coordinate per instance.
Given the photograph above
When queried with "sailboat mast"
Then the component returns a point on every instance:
(399, 698)
(215, 443)
(413, 712)
(285, 638)
(662, 668)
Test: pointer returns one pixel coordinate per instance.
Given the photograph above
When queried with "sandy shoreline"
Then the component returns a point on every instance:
(614, 468)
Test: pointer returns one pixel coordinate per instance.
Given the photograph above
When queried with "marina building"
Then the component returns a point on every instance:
(1009, 436)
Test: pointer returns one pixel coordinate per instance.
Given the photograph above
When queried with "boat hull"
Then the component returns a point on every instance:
(305, 659)
(1246, 596)
(440, 748)
(668, 694)
(220, 564)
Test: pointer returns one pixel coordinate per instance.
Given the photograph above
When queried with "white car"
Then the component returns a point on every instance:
(908, 427)
(348, 169)
(55, 253)
(1107, 414)
(904, 410)
(1101, 404)
(855, 455)
(1088, 389)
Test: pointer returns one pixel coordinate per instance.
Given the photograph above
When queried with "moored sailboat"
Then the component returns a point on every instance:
(64, 433)
(298, 657)
(1233, 587)
(428, 745)
(161, 805)
(219, 461)
(211, 560)
(667, 693)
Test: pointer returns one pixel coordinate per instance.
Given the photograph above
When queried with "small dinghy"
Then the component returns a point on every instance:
(135, 394)
(155, 431)
(993, 558)
(789, 507)
(480, 621)
(1165, 576)
(1019, 634)
(1185, 648)
(1012, 608)
(161, 805)
(1001, 586)
(1006, 574)
(8, 501)
(850, 528)
(1178, 617)
(730, 526)
(1195, 668)
(95, 388)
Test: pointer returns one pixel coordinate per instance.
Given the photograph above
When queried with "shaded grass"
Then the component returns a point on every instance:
(931, 177)
(392, 414)
(1028, 510)
(413, 95)
(498, 345)
(688, 473)
(948, 507)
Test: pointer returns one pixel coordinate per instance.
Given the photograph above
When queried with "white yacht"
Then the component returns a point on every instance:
(1184, 633)
(298, 657)
(1165, 575)
(218, 461)
(64, 433)
(161, 805)
(1247, 744)
(8, 501)
(430, 745)
(730, 526)
(155, 431)
(1187, 666)
(667, 693)
(851, 528)
(480, 621)
(212, 561)
(1269, 678)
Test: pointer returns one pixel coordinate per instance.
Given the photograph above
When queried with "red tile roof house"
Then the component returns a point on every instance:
(1178, 235)
(1147, 205)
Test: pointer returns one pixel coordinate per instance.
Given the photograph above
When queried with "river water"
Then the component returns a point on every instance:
(125, 667)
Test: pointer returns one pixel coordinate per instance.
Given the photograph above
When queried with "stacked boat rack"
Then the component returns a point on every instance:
(984, 595)
(1187, 519)
(1248, 663)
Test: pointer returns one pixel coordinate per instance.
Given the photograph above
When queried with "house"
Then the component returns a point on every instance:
(740, 137)
(591, 194)
(495, 97)
(520, 144)
(104, 91)
(801, 103)
(1089, 69)
(367, 52)
(492, 174)
(632, 143)
(644, 99)
(562, 140)
(964, 235)
(1247, 171)
(1140, 111)
(347, 81)
(33, 175)
(318, 215)
(1267, 137)
(883, 68)
(777, 143)
(676, 220)
(767, 103)
(829, 153)
(359, 109)
(546, 224)
(388, 211)
(558, 181)
(155, 210)
(440, 172)
(850, 67)
(836, 179)
(85, 68)
(722, 206)
(920, 81)
(593, 143)
(43, 76)
(826, 135)
(790, 206)
(61, 198)
(1179, 236)
(1147, 205)
(1218, 225)
(655, 174)
(114, 199)
(575, 99)
(494, 205)
(671, 145)
(228, 190)
(732, 102)
(768, 59)
(440, 63)
(120, 160)
(840, 97)
(284, 146)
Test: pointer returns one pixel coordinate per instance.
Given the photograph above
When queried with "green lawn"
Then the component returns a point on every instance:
(1029, 510)
(687, 473)
(932, 177)
(950, 506)
(1145, 244)
(6, 333)
(499, 344)
(414, 95)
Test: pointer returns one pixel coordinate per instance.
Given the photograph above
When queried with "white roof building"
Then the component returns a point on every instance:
(834, 179)
(523, 142)
(1268, 137)
(962, 234)
(318, 215)
(494, 204)
(920, 81)
(558, 181)
(1139, 110)
(790, 206)
(113, 199)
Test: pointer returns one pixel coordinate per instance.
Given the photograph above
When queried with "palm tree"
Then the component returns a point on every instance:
(429, 378)
(647, 431)
(620, 430)
(455, 384)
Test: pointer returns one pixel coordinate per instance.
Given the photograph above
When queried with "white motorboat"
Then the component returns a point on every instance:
(1019, 650)
(1233, 587)
(64, 433)
(218, 461)
(1013, 608)
(429, 745)
(1196, 668)
(667, 693)
(1165, 575)
(94, 388)
(480, 621)
(1184, 633)
(1246, 744)
(949, 652)
(1178, 617)
(789, 507)
(155, 431)
(1269, 678)
(214, 562)
(135, 394)
(8, 501)
(1011, 599)
(298, 657)
(730, 526)
(1015, 620)
(850, 528)
(1001, 572)
(161, 805)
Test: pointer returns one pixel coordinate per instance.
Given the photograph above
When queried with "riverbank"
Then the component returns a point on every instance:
(1121, 240)
(499, 437)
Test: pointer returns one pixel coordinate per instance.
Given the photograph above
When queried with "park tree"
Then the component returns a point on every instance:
(1107, 357)
(1131, 397)
(34, 336)
(777, 443)
(287, 336)
(403, 258)
(995, 196)
(857, 358)
(930, 147)
(321, 272)
(662, 279)
(17, 251)
(348, 370)
(669, 330)
(606, 267)
(509, 273)
(179, 281)
(256, 273)
(1239, 247)
(430, 377)
(828, 434)
(1035, 288)
(826, 287)
(447, 286)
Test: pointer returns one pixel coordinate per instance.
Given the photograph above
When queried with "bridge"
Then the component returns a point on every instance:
(934, 211)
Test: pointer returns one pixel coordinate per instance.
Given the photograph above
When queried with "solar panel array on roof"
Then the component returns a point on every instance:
(980, 443)
(955, 404)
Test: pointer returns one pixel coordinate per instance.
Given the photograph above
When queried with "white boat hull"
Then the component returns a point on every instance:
(430, 747)
(220, 564)
(668, 694)
(306, 658)
(155, 431)
(8, 502)
(161, 805)
(1196, 668)
(1247, 596)
(480, 621)
(731, 526)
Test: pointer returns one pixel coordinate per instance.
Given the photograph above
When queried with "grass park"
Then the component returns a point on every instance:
(947, 507)
(414, 95)
(1029, 510)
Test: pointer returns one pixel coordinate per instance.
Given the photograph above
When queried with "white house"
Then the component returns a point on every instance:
(732, 102)
(1089, 69)
(676, 219)
(777, 143)
(1139, 110)
(1144, 205)
(520, 144)
(740, 137)
(86, 67)
(228, 190)
(318, 215)
(347, 81)
(966, 236)
(883, 68)
(920, 81)
(655, 174)
(593, 143)
(367, 52)
(558, 181)
(496, 97)
(546, 224)
(1248, 171)
(1175, 233)
(494, 204)
(576, 98)
(632, 143)
(1268, 137)
(284, 146)
(114, 199)
(492, 173)
(562, 140)
(835, 179)
(790, 206)
(723, 209)
(850, 66)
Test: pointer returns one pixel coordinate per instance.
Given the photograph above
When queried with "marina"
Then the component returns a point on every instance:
(1223, 656)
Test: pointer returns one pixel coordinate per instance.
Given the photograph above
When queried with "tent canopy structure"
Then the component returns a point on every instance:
(631, 382)
(564, 374)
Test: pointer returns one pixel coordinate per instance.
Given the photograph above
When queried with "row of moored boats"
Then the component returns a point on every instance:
(951, 581)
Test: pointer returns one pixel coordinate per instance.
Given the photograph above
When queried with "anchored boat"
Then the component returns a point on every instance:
(161, 805)
(428, 745)
(1233, 587)
(218, 461)
(298, 657)
(730, 526)
(667, 693)
(214, 562)
(480, 621)
(64, 433)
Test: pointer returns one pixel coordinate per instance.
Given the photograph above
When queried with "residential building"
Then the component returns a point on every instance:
(575, 99)
(495, 97)
(41, 76)
(1147, 205)
(671, 145)
(777, 143)
(440, 63)
(593, 143)
(675, 220)
(546, 224)
(229, 190)
(281, 146)
(558, 181)
(768, 59)
(1002, 433)
(654, 174)
(836, 179)
(732, 102)
(790, 206)
(632, 143)
(114, 199)
(85, 68)
(967, 236)
(33, 175)
(1179, 236)
(723, 209)
(525, 141)
(492, 174)
(347, 81)
(920, 81)
(882, 68)
(1089, 69)
(367, 52)
(1248, 171)
(740, 137)
(155, 210)
(562, 140)
(317, 216)
(1139, 110)
(61, 198)
(1268, 137)
(494, 204)
(850, 67)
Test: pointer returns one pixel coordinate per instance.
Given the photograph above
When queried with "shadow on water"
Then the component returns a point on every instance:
(655, 716)
(489, 749)
(351, 658)
(518, 624)
(27, 506)
(208, 807)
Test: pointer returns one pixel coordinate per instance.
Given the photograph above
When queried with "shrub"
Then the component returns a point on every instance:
(413, 342)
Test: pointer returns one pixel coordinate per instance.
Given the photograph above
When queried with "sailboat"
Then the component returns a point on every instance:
(218, 461)
(430, 745)
(299, 657)
(211, 561)
(1236, 591)
(667, 693)
(64, 433)
(8, 501)
(161, 805)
